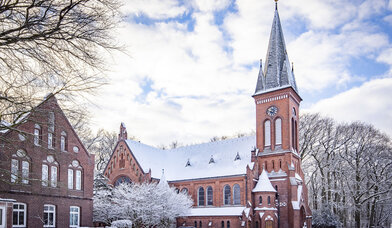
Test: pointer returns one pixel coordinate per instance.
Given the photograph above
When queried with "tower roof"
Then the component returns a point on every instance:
(278, 72)
(264, 184)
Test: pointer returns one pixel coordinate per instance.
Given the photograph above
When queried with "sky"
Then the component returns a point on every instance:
(189, 68)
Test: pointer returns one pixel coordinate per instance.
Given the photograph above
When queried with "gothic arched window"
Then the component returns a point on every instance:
(210, 196)
(226, 195)
(201, 196)
(236, 194)
(278, 131)
(260, 200)
(267, 133)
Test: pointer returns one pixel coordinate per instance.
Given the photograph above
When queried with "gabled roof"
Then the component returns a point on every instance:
(264, 184)
(278, 72)
(174, 161)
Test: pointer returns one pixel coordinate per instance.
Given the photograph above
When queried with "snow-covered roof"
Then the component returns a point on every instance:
(5, 125)
(264, 184)
(216, 211)
(174, 161)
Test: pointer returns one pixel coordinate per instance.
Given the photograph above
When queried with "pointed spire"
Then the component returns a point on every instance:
(264, 184)
(162, 182)
(277, 71)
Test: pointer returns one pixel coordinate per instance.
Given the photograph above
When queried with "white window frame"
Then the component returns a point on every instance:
(73, 213)
(3, 217)
(234, 194)
(37, 134)
(50, 212)
(18, 210)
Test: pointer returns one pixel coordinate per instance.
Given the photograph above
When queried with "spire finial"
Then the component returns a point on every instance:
(276, 4)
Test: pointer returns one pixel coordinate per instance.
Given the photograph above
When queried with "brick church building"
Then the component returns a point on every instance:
(255, 181)
(46, 174)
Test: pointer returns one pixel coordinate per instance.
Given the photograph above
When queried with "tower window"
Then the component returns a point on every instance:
(267, 133)
(278, 131)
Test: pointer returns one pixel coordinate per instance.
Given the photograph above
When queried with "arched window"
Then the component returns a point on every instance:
(210, 196)
(195, 223)
(257, 224)
(267, 133)
(226, 195)
(222, 224)
(269, 200)
(228, 224)
(122, 179)
(20, 167)
(273, 165)
(63, 141)
(296, 136)
(265, 165)
(276, 187)
(177, 190)
(293, 134)
(260, 200)
(280, 164)
(50, 169)
(201, 196)
(184, 190)
(75, 175)
(37, 135)
(236, 194)
(278, 131)
(200, 224)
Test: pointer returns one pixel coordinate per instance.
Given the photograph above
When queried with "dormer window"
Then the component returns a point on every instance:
(237, 157)
(188, 163)
(211, 160)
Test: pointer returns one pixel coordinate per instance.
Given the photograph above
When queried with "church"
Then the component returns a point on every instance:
(253, 181)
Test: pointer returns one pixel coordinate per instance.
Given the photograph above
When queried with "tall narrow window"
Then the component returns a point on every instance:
(223, 224)
(70, 178)
(269, 200)
(201, 196)
(49, 215)
(50, 140)
(292, 133)
(18, 215)
(45, 175)
(226, 195)
(53, 176)
(51, 122)
(296, 136)
(228, 224)
(200, 224)
(267, 133)
(25, 172)
(273, 165)
(278, 131)
(63, 141)
(78, 181)
(210, 196)
(74, 216)
(37, 135)
(260, 200)
(236, 194)
(280, 164)
(14, 170)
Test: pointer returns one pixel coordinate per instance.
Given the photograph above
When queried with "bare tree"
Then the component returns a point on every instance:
(51, 46)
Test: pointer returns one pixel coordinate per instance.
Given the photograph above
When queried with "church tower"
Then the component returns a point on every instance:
(277, 115)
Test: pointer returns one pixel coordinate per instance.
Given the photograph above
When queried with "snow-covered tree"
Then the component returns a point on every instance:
(145, 205)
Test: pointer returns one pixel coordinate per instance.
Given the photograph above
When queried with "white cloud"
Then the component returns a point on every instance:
(208, 5)
(369, 103)
(390, 5)
(388, 18)
(156, 9)
(386, 56)
(371, 7)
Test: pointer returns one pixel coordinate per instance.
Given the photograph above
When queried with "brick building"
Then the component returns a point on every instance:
(46, 173)
(255, 181)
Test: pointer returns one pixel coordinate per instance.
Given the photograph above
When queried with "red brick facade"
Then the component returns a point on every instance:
(27, 159)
